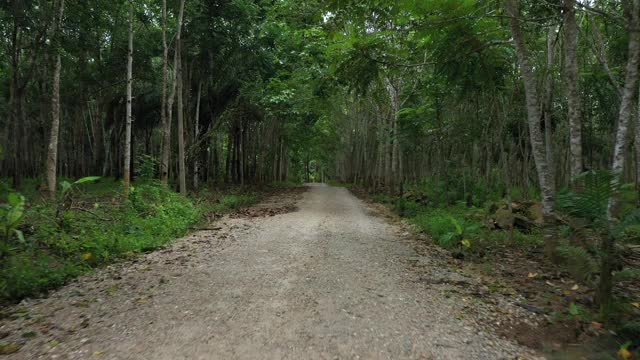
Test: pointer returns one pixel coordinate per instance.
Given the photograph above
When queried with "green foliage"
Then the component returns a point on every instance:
(407, 208)
(146, 168)
(579, 262)
(237, 201)
(590, 203)
(447, 228)
(578, 312)
(151, 217)
(11, 214)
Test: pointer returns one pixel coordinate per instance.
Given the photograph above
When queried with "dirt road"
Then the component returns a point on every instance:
(328, 281)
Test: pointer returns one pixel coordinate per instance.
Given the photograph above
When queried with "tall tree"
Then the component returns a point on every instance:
(127, 138)
(571, 86)
(52, 150)
(182, 176)
(166, 134)
(632, 10)
(166, 124)
(533, 110)
(196, 135)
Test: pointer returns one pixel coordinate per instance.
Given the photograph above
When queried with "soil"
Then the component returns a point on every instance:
(325, 277)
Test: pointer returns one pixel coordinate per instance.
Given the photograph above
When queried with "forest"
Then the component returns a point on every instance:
(495, 126)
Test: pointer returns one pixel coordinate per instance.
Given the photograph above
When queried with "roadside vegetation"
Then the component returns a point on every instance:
(504, 239)
(45, 243)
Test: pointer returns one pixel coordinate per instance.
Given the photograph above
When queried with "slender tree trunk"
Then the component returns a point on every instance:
(196, 161)
(127, 138)
(52, 153)
(166, 124)
(182, 171)
(535, 134)
(548, 105)
(624, 116)
(166, 133)
(571, 86)
(533, 109)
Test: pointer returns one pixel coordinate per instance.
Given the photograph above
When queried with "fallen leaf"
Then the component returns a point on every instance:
(624, 354)
(532, 275)
(636, 304)
(98, 353)
(141, 301)
(10, 348)
(575, 287)
(596, 325)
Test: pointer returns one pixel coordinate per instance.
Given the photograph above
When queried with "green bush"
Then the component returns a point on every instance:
(407, 208)
(237, 201)
(151, 217)
(447, 228)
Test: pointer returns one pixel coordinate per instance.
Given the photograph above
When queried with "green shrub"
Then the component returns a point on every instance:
(407, 208)
(448, 229)
(234, 202)
(150, 218)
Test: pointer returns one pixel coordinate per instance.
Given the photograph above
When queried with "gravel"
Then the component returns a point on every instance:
(329, 281)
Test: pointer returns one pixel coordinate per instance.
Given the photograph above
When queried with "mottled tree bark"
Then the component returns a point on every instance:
(166, 125)
(52, 149)
(182, 171)
(196, 125)
(624, 118)
(533, 109)
(571, 87)
(126, 175)
(166, 133)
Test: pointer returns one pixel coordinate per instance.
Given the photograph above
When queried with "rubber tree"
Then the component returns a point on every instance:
(52, 149)
(127, 138)
(534, 117)
(166, 128)
(571, 87)
(627, 103)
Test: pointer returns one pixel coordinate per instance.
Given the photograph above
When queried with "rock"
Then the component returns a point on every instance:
(535, 213)
(504, 218)
(523, 223)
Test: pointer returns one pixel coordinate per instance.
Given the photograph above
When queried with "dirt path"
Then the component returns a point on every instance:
(329, 281)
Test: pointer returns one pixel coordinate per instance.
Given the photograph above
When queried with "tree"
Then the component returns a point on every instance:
(571, 85)
(166, 123)
(533, 110)
(127, 139)
(52, 150)
(629, 92)
(166, 133)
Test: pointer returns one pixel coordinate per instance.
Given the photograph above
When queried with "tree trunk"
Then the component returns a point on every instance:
(571, 86)
(196, 161)
(126, 176)
(166, 133)
(182, 171)
(624, 116)
(52, 151)
(535, 134)
(166, 125)
(533, 110)
(548, 105)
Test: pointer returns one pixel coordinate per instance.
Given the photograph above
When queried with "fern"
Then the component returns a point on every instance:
(590, 203)
(11, 215)
(580, 263)
(626, 274)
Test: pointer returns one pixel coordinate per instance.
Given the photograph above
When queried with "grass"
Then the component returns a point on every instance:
(100, 228)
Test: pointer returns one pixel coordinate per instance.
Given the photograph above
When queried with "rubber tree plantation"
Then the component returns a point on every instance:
(504, 134)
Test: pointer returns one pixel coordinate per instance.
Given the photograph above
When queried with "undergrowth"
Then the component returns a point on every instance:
(98, 227)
